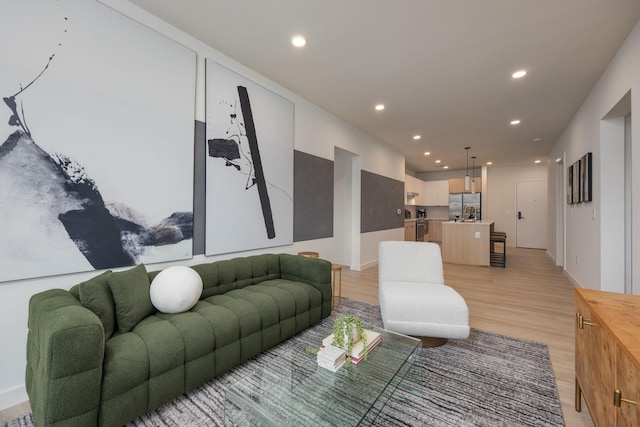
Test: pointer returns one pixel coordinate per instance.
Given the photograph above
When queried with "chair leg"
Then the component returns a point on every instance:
(498, 259)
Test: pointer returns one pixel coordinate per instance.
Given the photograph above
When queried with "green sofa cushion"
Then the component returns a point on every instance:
(130, 289)
(95, 294)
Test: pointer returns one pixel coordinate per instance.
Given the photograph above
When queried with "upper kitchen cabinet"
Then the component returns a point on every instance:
(456, 185)
(437, 193)
(414, 191)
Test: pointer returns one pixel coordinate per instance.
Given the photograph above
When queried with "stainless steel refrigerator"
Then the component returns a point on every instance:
(464, 205)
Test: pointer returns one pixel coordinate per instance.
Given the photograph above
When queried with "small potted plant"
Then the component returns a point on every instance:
(347, 330)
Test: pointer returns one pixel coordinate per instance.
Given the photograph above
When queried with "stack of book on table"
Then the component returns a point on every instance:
(373, 338)
(331, 357)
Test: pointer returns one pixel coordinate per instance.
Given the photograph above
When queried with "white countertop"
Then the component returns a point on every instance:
(479, 222)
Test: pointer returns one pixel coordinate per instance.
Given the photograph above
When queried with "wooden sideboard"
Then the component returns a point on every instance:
(607, 365)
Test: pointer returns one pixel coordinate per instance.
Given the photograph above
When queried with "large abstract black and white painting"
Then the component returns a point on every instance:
(96, 140)
(249, 164)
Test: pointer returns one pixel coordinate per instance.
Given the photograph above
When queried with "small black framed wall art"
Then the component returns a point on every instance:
(570, 184)
(579, 180)
(586, 189)
(576, 182)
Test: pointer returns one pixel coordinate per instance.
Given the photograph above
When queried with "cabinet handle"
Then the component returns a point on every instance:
(581, 321)
(618, 399)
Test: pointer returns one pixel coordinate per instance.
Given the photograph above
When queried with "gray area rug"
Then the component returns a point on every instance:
(486, 380)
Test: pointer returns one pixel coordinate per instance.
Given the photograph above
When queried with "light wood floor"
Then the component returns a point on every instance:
(530, 299)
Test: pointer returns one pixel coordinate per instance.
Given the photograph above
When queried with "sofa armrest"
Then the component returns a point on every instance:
(65, 350)
(314, 271)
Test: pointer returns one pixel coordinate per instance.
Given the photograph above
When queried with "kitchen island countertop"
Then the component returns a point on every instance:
(479, 222)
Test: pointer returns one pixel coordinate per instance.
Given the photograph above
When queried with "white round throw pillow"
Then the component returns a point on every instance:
(175, 289)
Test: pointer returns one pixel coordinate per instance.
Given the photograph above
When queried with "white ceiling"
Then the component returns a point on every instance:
(442, 67)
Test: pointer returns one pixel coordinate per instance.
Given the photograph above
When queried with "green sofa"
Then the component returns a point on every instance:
(101, 355)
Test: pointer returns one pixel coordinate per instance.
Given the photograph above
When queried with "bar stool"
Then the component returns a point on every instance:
(498, 259)
(336, 285)
(309, 254)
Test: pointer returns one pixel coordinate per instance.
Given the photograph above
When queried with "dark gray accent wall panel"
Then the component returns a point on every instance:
(381, 198)
(199, 180)
(312, 197)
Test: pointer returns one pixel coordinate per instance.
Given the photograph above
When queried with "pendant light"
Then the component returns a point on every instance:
(473, 174)
(466, 177)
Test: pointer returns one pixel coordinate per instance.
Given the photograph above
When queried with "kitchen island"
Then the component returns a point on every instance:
(466, 242)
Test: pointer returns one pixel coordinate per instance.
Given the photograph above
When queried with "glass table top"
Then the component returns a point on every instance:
(305, 394)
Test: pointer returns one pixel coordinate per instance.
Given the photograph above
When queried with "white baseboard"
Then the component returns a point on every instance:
(13, 397)
(368, 265)
(572, 279)
(551, 257)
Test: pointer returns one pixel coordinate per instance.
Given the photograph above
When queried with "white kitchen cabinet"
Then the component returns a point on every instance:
(414, 185)
(436, 193)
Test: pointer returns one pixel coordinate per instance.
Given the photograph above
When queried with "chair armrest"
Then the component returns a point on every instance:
(65, 350)
(313, 271)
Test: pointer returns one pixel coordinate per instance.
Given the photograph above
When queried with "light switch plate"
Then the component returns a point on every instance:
(477, 234)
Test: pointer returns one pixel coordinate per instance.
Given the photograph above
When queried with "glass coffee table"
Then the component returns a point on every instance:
(306, 394)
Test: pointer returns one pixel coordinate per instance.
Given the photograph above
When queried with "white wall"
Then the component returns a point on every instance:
(316, 132)
(343, 189)
(449, 174)
(500, 196)
(369, 244)
(593, 236)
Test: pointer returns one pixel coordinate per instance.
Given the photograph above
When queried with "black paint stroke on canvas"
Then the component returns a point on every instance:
(106, 238)
(257, 162)
(101, 233)
(230, 150)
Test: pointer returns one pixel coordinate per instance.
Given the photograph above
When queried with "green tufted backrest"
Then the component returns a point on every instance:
(222, 276)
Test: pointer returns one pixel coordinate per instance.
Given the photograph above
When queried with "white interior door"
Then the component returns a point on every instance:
(531, 211)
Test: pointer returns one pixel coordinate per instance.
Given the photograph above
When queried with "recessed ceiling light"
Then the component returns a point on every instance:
(489, 163)
(298, 41)
(536, 140)
(515, 122)
(380, 107)
(445, 167)
(427, 153)
(537, 161)
(416, 137)
(519, 74)
(437, 161)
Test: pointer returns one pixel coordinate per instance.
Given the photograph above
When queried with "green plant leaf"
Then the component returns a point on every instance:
(343, 330)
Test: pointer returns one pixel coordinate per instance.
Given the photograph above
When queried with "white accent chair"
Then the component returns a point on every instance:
(413, 297)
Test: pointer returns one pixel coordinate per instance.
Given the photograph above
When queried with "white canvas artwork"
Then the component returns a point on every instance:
(96, 140)
(249, 164)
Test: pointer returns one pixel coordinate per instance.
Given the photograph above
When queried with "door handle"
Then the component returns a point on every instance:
(618, 399)
(520, 215)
